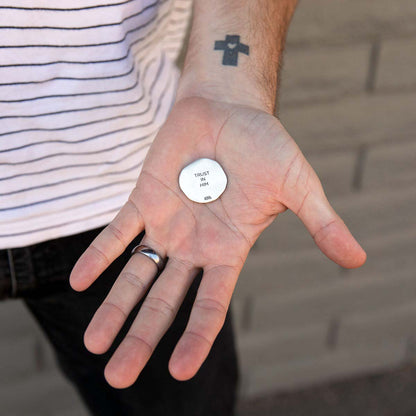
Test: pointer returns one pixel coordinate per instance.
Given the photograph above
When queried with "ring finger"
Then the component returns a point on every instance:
(130, 286)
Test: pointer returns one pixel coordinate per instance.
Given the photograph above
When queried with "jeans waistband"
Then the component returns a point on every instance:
(41, 267)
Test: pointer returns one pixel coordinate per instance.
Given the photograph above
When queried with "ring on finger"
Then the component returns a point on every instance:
(151, 254)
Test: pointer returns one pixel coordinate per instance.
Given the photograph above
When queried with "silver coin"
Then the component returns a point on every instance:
(203, 180)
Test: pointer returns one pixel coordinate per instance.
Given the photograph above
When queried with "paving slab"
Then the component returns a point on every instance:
(276, 279)
(352, 122)
(45, 394)
(321, 73)
(333, 366)
(285, 273)
(379, 326)
(18, 359)
(336, 300)
(390, 165)
(265, 348)
(387, 256)
(335, 170)
(379, 214)
(348, 21)
(397, 63)
(15, 319)
(373, 214)
(389, 393)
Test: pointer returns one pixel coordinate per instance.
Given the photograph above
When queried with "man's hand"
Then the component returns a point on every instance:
(267, 174)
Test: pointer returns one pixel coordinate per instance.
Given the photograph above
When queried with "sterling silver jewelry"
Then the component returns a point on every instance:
(149, 252)
(203, 180)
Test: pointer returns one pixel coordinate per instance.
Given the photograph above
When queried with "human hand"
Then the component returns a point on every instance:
(267, 174)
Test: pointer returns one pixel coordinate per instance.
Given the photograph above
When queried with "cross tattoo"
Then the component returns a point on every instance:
(231, 46)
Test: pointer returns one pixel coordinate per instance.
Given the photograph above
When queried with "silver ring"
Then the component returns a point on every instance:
(149, 252)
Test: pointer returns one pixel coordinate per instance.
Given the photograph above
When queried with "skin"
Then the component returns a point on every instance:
(267, 174)
(222, 112)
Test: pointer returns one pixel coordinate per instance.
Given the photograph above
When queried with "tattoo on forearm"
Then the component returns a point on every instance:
(231, 47)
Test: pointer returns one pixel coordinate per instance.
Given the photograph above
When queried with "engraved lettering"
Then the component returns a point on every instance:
(203, 180)
(198, 174)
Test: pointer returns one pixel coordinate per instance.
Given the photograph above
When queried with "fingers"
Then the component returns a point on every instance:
(206, 320)
(154, 318)
(107, 246)
(330, 233)
(307, 199)
(130, 286)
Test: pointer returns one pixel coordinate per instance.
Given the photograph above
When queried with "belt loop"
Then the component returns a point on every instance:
(13, 279)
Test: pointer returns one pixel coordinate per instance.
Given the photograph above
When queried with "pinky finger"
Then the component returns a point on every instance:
(205, 322)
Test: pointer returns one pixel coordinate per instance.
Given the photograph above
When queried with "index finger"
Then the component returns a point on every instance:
(107, 246)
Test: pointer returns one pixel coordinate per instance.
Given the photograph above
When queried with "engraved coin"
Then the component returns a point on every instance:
(203, 180)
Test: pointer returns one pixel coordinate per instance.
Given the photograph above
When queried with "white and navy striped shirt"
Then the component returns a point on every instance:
(84, 87)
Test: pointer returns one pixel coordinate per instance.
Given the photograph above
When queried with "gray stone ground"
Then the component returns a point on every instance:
(386, 394)
(304, 325)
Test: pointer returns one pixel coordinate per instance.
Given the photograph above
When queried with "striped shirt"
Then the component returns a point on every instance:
(84, 87)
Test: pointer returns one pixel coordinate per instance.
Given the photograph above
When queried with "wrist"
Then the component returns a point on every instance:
(234, 51)
(225, 61)
(218, 85)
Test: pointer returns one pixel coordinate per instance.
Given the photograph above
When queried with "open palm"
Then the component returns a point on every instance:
(267, 174)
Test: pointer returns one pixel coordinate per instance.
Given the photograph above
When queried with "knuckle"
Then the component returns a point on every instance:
(134, 205)
(198, 335)
(117, 234)
(180, 265)
(134, 279)
(212, 305)
(99, 254)
(159, 306)
(140, 340)
(116, 307)
(323, 232)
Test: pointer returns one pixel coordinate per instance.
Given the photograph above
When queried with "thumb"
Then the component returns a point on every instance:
(305, 196)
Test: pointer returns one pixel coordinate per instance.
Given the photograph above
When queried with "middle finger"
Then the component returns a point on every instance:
(155, 316)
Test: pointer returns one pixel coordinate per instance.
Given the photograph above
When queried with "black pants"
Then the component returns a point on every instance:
(39, 275)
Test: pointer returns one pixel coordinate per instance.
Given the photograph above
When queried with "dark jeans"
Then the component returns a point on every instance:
(39, 275)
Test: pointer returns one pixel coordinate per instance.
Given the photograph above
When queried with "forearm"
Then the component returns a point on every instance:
(248, 77)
